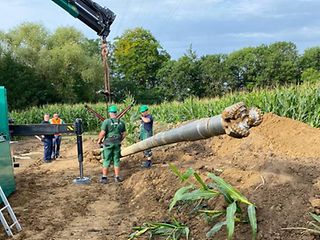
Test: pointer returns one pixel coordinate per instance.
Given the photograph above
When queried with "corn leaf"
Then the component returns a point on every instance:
(315, 217)
(231, 210)
(198, 194)
(175, 170)
(202, 183)
(187, 174)
(253, 220)
(179, 195)
(138, 233)
(226, 188)
(216, 228)
(183, 176)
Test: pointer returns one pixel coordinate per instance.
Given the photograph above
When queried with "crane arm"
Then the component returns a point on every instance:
(92, 14)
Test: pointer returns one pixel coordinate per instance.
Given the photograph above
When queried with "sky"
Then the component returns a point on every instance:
(209, 26)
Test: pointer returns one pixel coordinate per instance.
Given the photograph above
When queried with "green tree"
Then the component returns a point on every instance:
(137, 58)
(73, 73)
(310, 75)
(60, 67)
(23, 85)
(179, 79)
(311, 59)
(26, 42)
(213, 74)
(282, 64)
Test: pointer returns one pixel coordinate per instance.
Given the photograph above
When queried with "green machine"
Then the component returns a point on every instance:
(6, 167)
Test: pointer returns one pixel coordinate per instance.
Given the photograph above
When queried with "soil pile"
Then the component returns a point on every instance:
(276, 167)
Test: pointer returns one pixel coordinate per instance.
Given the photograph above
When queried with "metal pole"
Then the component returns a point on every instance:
(78, 130)
(235, 121)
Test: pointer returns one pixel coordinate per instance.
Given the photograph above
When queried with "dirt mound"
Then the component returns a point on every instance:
(276, 167)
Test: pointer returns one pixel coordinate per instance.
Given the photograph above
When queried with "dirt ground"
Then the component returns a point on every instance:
(277, 167)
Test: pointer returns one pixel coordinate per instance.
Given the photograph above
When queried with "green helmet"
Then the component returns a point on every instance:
(143, 108)
(112, 109)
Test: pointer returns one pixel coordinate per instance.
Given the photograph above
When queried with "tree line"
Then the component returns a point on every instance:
(38, 67)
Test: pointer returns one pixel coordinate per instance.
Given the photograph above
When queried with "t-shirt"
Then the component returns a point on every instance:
(148, 126)
(109, 126)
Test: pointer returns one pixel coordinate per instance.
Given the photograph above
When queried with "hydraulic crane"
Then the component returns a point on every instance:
(99, 19)
(92, 14)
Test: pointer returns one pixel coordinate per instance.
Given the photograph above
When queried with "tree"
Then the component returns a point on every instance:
(213, 74)
(181, 79)
(59, 67)
(138, 56)
(26, 42)
(311, 59)
(74, 74)
(282, 64)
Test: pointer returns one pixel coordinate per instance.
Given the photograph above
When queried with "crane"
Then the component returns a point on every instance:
(99, 19)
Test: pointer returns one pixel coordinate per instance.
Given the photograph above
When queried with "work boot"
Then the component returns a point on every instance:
(118, 179)
(147, 164)
(104, 180)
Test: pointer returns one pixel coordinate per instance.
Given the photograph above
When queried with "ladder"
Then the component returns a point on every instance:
(7, 206)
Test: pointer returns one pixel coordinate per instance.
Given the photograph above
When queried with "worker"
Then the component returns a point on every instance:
(146, 131)
(47, 141)
(57, 137)
(113, 132)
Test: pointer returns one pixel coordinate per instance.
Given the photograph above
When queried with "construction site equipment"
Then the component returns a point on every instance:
(50, 129)
(90, 13)
(99, 19)
(14, 220)
(7, 130)
(81, 179)
(6, 168)
(235, 121)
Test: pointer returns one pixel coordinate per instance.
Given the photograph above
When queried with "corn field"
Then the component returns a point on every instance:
(300, 102)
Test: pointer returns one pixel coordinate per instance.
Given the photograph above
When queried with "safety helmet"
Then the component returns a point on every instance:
(143, 108)
(112, 109)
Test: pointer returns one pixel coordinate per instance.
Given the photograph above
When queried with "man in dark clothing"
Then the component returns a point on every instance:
(146, 131)
(47, 141)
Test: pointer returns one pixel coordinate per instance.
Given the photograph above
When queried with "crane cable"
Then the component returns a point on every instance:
(104, 54)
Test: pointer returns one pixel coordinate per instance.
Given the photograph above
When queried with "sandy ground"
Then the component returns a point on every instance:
(276, 167)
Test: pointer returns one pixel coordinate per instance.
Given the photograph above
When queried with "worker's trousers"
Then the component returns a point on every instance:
(47, 148)
(56, 146)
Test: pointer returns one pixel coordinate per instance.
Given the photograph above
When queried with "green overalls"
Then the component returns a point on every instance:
(144, 134)
(112, 143)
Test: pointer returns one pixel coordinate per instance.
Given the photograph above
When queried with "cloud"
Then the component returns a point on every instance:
(211, 26)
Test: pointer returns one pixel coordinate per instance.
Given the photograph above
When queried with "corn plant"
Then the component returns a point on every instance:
(203, 191)
(298, 102)
(233, 197)
(172, 231)
(191, 193)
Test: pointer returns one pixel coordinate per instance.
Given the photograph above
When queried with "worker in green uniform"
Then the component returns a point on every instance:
(146, 131)
(113, 132)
